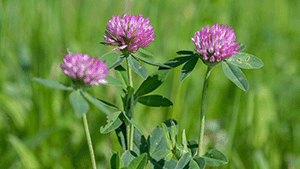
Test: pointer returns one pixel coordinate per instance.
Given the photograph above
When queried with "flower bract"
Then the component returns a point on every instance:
(216, 44)
(129, 32)
(84, 70)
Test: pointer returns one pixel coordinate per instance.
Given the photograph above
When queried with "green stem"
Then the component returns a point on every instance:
(130, 128)
(202, 114)
(89, 140)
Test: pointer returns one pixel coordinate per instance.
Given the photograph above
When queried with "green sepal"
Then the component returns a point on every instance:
(115, 160)
(245, 61)
(79, 104)
(215, 158)
(150, 62)
(188, 68)
(113, 122)
(118, 62)
(99, 103)
(110, 58)
(137, 67)
(53, 84)
(155, 101)
(235, 75)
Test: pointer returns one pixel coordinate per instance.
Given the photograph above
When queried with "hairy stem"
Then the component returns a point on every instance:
(89, 140)
(131, 112)
(202, 114)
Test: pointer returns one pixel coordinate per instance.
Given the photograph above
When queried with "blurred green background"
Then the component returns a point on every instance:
(257, 129)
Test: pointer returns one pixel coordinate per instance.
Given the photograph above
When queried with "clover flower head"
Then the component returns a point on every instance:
(129, 32)
(84, 69)
(217, 43)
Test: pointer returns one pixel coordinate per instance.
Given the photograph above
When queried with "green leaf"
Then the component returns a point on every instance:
(193, 165)
(118, 62)
(162, 164)
(152, 82)
(155, 101)
(114, 81)
(115, 160)
(172, 127)
(187, 68)
(121, 133)
(151, 62)
(137, 67)
(185, 149)
(183, 161)
(98, 103)
(133, 123)
(79, 104)
(157, 144)
(110, 58)
(113, 122)
(178, 61)
(26, 155)
(193, 147)
(245, 61)
(167, 137)
(127, 157)
(139, 162)
(242, 47)
(168, 155)
(215, 158)
(70, 51)
(145, 52)
(185, 52)
(53, 84)
(123, 73)
(235, 75)
(129, 93)
(178, 151)
(109, 104)
(140, 144)
(197, 162)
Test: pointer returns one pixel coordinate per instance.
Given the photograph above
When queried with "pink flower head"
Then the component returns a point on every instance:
(84, 69)
(217, 43)
(129, 33)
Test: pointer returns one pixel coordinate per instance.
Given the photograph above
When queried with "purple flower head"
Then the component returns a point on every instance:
(129, 33)
(216, 44)
(84, 69)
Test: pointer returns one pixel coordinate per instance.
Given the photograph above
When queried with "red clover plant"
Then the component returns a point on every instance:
(160, 149)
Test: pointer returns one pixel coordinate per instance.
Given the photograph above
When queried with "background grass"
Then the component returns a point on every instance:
(257, 129)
